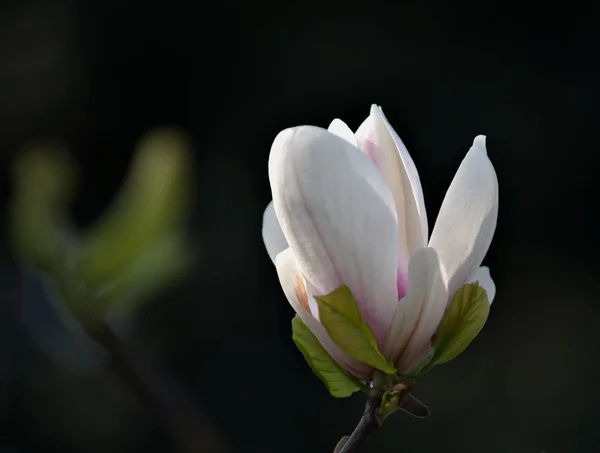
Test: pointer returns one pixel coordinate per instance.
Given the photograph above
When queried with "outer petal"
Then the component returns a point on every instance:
(341, 129)
(467, 219)
(337, 213)
(301, 300)
(482, 275)
(419, 314)
(271, 232)
(381, 143)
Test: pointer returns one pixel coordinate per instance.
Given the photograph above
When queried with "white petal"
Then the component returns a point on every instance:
(301, 300)
(378, 140)
(272, 235)
(337, 214)
(414, 182)
(419, 314)
(467, 219)
(482, 275)
(341, 129)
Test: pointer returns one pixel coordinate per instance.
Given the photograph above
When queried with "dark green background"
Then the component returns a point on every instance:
(233, 74)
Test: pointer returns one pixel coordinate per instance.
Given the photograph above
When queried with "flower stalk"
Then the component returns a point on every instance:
(369, 422)
(386, 396)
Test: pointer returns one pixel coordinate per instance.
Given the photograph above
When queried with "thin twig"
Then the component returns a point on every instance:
(367, 425)
(191, 432)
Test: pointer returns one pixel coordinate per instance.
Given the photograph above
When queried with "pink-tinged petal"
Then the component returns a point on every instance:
(337, 213)
(271, 232)
(301, 300)
(341, 129)
(378, 139)
(467, 220)
(482, 275)
(419, 314)
(402, 282)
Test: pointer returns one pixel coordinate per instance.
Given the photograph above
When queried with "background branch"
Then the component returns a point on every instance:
(192, 433)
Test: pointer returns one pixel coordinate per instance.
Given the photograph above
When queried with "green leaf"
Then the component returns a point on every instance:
(339, 313)
(390, 403)
(339, 383)
(463, 320)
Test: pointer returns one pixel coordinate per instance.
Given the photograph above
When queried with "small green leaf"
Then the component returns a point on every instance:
(339, 383)
(463, 320)
(390, 403)
(339, 313)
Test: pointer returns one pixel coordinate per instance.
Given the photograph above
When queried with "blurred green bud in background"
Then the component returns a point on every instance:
(137, 247)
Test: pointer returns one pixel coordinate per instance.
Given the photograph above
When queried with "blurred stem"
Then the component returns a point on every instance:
(367, 425)
(191, 432)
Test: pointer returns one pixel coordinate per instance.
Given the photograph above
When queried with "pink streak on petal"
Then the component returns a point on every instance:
(370, 146)
(402, 283)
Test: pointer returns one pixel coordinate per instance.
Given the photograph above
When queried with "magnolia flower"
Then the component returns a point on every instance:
(348, 209)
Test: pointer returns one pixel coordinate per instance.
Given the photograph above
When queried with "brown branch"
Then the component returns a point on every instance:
(367, 425)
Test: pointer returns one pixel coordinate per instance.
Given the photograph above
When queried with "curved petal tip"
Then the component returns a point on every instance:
(375, 110)
(283, 136)
(479, 142)
(341, 129)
